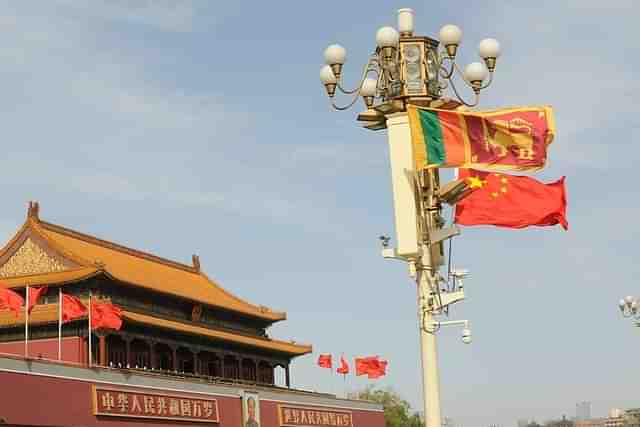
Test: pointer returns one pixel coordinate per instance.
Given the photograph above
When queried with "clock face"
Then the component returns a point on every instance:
(413, 71)
(412, 53)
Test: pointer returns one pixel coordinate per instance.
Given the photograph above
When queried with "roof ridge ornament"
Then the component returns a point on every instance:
(33, 211)
(196, 262)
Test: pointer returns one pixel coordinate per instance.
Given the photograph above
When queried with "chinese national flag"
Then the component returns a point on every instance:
(105, 315)
(511, 201)
(324, 361)
(72, 308)
(11, 301)
(34, 296)
(344, 367)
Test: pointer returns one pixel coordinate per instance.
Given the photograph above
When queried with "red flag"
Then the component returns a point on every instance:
(324, 361)
(344, 367)
(363, 365)
(105, 315)
(373, 367)
(377, 369)
(11, 301)
(34, 295)
(72, 308)
(511, 201)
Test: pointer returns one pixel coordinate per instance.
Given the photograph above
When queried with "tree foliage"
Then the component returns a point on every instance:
(397, 411)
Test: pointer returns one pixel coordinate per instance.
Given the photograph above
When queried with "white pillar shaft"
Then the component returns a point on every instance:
(401, 156)
(406, 221)
(429, 352)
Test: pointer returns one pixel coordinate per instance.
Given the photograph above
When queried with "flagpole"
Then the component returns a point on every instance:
(59, 323)
(90, 355)
(26, 324)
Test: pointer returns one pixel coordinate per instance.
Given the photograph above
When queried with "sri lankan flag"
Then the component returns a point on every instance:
(508, 139)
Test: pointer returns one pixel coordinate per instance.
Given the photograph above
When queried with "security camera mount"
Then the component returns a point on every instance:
(466, 331)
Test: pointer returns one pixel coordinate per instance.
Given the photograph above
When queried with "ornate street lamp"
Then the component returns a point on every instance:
(406, 69)
(629, 307)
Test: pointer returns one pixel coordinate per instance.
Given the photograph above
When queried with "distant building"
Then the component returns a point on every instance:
(523, 422)
(564, 422)
(632, 417)
(583, 411)
(615, 418)
(593, 422)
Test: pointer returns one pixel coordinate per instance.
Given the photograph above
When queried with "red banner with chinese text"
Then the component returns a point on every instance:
(292, 416)
(134, 404)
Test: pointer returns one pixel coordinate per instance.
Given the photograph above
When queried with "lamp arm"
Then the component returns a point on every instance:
(464, 79)
(442, 69)
(488, 81)
(346, 107)
(369, 66)
(455, 90)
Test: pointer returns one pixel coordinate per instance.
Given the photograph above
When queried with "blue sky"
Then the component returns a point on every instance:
(178, 127)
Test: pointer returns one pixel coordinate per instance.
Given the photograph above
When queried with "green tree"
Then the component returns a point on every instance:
(397, 411)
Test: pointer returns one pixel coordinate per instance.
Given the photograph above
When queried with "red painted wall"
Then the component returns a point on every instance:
(72, 349)
(37, 400)
(269, 415)
(52, 401)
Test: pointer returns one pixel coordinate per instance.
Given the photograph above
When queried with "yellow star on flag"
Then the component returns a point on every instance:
(475, 182)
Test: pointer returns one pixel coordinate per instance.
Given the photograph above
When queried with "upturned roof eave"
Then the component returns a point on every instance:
(44, 229)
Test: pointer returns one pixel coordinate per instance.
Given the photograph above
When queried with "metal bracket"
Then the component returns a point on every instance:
(449, 298)
(392, 253)
(436, 236)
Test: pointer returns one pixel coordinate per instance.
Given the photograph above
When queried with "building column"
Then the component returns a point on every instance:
(238, 367)
(287, 376)
(174, 358)
(221, 357)
(102, 344)
(196, 368)
(85, 344)
(152, 354)
(127, 346)
(256, 371)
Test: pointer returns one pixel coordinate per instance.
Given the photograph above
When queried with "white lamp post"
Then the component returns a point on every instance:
(406, 69)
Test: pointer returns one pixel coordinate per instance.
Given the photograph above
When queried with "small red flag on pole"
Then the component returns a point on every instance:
(105, 315)
(11, 301)
(372, 367)
(72, 308)
(344, 366)
(34, 296)
(362, 365)
(324, 361)
(69, 308)
(377, 369)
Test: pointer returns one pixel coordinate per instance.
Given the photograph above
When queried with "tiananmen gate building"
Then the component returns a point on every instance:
(188, 351)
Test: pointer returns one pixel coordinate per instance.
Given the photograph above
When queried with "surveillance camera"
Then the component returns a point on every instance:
(466, 336)
(454, 191)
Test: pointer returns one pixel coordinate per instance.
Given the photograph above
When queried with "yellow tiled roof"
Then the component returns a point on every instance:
(282, 346)
(130, 266)
(54, 278)
(48, 313)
